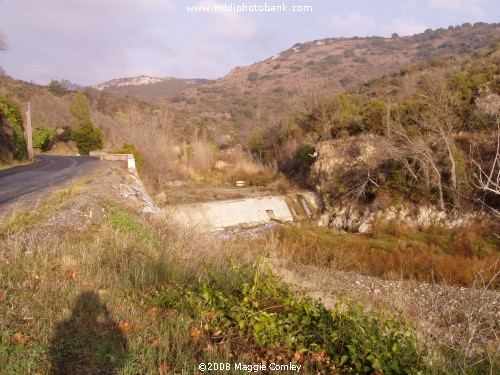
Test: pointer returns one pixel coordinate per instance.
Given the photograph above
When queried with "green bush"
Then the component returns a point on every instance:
(43, 138)
(12, 113)
(129, 148)
(252, 308)
(88, 137)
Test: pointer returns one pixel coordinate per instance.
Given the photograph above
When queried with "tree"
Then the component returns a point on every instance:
(441, 120)
(375, 116)
(43, 138)
(487, 173)
(425, 127)
(80, 108)
(62, 87)
(88, 137)
(3, 47)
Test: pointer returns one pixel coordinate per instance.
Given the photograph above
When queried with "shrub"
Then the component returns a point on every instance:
(88, 137)
(250, 308)
(129, 148)
(43, 138)
(12, 113)
(253, 76)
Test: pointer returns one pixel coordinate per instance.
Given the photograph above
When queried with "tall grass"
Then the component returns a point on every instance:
(396, 252)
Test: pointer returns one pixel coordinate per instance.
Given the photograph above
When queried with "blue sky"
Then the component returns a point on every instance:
(92, 41)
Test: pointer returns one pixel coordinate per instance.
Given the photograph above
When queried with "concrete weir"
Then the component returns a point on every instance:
(233, 213)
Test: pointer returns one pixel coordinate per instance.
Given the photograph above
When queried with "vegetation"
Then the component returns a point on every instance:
(316, 69)
(396, 252)
(129, 148)
(428, 118)
(87, 137)
(136, 295)
(43, 138)
(3, 42)
(125, 290)
(80, 107)
(12, 114)
(255, 317)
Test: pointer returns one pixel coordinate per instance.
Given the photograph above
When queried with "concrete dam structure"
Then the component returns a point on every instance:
(249, 212)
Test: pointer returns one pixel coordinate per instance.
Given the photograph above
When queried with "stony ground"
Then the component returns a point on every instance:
(454, 316)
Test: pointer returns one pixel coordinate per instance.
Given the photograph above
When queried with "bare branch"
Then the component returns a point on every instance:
(489, 181)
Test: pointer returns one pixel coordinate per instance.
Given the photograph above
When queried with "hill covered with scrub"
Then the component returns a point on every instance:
(426, 134)
(251, 97)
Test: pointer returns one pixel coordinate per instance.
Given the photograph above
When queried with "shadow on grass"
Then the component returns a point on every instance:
(88, 342)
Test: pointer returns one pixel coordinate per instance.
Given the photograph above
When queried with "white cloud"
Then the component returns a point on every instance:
(403, 26)
(227, 24)
(353, 24)
(472, 7)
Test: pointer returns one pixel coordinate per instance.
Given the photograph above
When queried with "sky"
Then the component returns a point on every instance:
(93, 41)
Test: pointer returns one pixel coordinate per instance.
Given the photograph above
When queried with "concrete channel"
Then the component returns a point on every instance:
(245, 213)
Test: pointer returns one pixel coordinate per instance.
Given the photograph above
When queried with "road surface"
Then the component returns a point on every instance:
(36, 179)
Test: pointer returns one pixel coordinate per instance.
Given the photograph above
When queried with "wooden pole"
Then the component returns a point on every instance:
(29, 135)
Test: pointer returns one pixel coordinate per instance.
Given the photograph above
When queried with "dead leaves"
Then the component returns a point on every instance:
(125, 326)
(211, 315)
(153, 311)
(21, 339)
(298, 357)
(164, 368)
(69, 274)
(155, 342)
(196, 333)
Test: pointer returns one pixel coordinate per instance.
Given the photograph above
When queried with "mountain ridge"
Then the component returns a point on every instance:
(148, 88)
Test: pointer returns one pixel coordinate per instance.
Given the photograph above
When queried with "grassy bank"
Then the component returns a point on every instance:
(131, 296)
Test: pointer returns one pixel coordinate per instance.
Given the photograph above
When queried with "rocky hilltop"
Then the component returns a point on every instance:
(148, 88)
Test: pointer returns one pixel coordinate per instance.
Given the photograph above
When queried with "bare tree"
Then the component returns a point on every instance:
(419, 158)
(428, 144)
(487, 174)
(440, 120)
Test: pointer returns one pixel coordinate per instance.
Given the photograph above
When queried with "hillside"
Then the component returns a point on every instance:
(251, 97)
(417, 134)
(147, 88)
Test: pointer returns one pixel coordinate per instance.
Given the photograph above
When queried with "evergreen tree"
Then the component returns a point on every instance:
(87, 137)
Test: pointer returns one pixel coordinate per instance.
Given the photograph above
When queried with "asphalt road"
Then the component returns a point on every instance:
(37, 178)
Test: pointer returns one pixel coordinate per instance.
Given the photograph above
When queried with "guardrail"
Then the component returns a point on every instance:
(116, 157)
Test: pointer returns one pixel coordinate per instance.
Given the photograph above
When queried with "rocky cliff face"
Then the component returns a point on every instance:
(354, 179)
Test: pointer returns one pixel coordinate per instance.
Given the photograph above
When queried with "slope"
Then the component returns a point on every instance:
(251, 97)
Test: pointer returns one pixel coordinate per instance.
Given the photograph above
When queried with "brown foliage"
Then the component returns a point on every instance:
(396, 252)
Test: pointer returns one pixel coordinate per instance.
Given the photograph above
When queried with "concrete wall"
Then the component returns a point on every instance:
(116, 157)
(224, 214)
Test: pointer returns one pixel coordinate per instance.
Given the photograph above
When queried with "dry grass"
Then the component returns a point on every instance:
(395, 252)
(108, 267)
(13, 164)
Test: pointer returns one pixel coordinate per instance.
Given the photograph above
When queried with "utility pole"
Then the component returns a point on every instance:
(29, 135)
